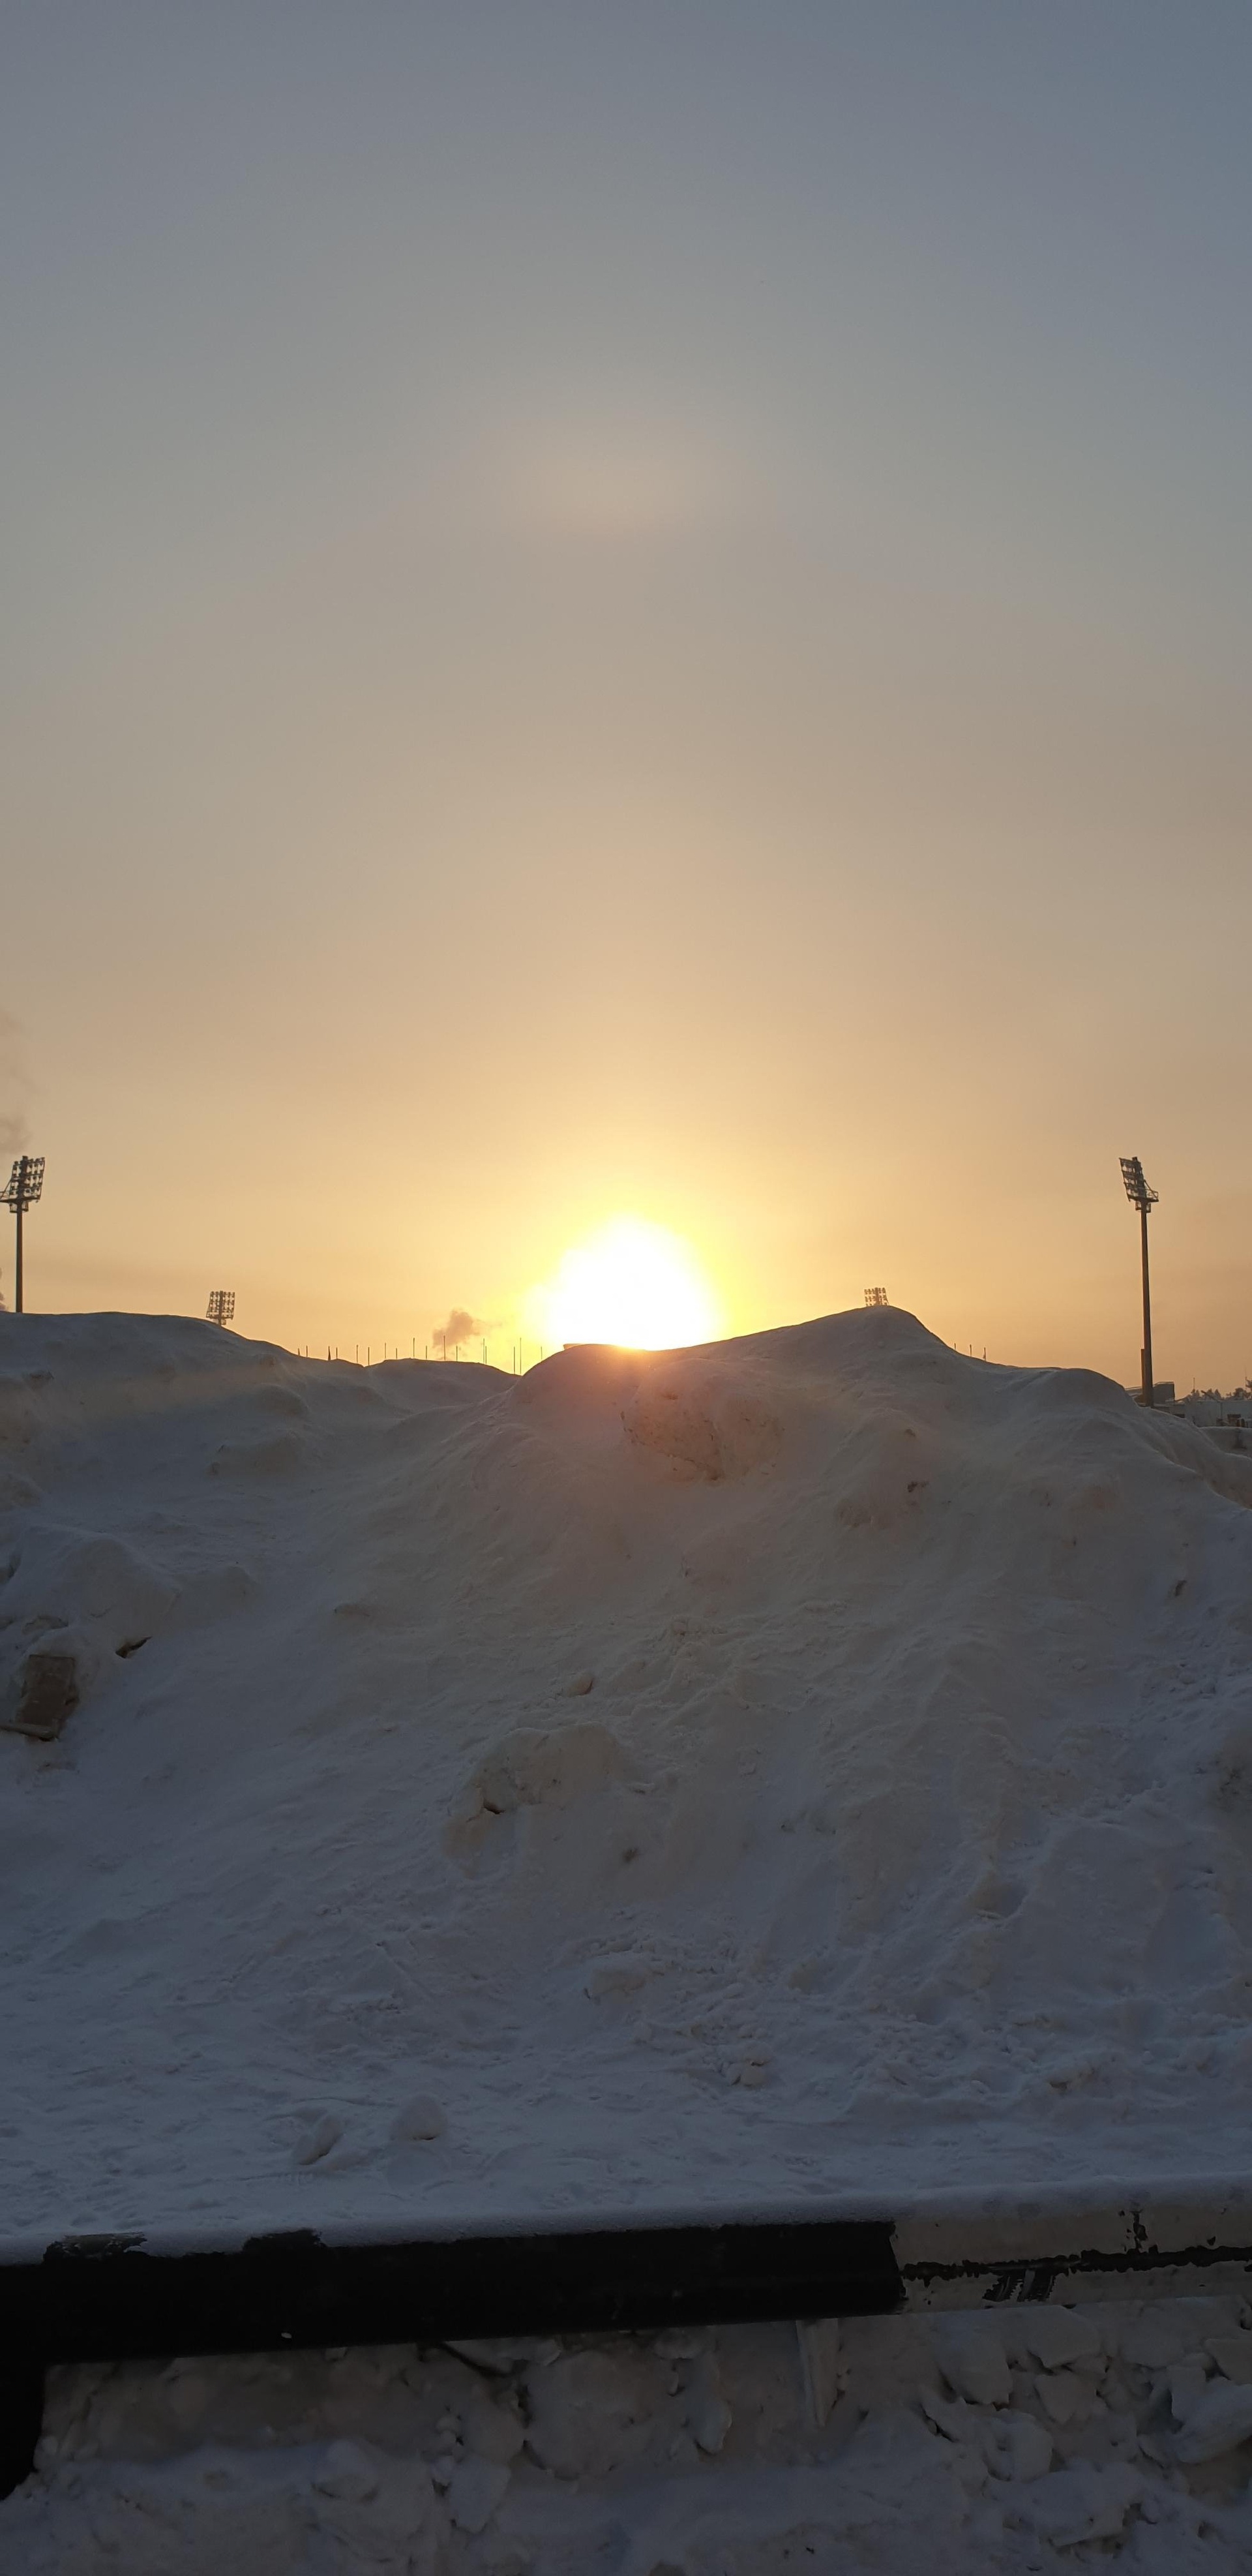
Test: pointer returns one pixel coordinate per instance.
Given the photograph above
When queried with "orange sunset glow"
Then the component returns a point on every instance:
(632, 1283)
(570, 668)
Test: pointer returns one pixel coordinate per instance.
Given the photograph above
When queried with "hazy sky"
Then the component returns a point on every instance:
(634, 606)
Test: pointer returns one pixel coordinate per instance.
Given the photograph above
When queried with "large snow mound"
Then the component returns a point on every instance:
(811, 1766)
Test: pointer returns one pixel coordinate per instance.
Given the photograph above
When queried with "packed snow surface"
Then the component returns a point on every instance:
(1007, 2443)
(811, 1766)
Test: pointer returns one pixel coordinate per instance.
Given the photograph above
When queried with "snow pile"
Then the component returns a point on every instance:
(1019, 2440)
(818, 1764)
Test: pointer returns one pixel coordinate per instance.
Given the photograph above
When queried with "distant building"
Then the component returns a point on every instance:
(1215, 1411)
(1226, 1418)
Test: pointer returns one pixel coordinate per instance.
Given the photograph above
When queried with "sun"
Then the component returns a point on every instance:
(634, 1284)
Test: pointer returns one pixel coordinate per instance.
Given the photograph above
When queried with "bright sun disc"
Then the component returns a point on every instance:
(634, 1284)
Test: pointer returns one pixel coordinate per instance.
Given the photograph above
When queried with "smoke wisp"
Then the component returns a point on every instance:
(461, 1326)
(14, 1086)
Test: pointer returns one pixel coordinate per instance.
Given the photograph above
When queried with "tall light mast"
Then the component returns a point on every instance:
(1143, 1198)
(24, 1191)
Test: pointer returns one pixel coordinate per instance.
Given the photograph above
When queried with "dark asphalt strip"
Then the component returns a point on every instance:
(107, 2299)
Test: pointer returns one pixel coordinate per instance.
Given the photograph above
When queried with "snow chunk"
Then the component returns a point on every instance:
(1083, 2503)
(44, 1692)
(95, 1585)
(349, 2473)
(972, 2359)
(1233, 2356)
(476, 2489)
(821, 2360)
(1217, 2422)
(1058, 2335)
(493, 2429)
(420, 2119)
(589, 2412)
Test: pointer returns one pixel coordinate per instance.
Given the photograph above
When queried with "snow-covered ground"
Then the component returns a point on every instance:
(1027, 2439)
(814, 1765)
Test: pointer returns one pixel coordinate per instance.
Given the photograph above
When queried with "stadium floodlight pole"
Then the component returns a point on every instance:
(24, 1191)
(1143, 1198)
(221, 1306)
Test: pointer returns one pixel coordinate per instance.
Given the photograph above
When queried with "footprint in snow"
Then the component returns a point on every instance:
(318, 2141)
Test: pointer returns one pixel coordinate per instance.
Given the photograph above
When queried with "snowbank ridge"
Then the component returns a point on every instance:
(1032, 2438)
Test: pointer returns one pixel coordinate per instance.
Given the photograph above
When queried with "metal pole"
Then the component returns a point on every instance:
(17, 1266)
(1148, 1381)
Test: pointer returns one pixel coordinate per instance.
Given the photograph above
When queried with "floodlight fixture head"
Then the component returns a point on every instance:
(875, 1296)
(25, 1184)
(221, 1306)
(1137, 1190)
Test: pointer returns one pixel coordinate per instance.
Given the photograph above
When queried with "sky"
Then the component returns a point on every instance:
(630, 608)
